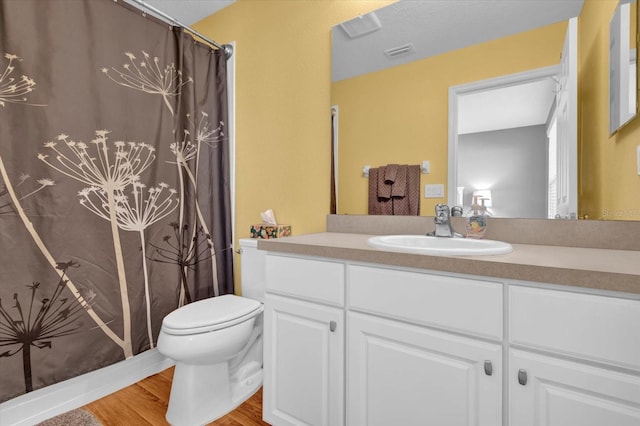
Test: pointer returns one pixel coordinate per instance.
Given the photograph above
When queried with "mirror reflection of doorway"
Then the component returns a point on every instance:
(507, 146)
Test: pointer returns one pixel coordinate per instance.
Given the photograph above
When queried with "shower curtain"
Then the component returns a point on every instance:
(114, 184)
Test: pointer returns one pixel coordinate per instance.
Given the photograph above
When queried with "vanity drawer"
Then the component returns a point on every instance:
(458, 304)
(315, 280)
(598, 328)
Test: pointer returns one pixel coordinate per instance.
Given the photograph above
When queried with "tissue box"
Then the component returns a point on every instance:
(270, 231)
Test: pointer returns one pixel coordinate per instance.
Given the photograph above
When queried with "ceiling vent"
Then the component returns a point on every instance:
(361, 25)
(403, 50)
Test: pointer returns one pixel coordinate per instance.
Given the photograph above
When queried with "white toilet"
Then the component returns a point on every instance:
(216, 344)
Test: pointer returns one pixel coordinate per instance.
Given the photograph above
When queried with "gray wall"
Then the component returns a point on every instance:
(512, 163)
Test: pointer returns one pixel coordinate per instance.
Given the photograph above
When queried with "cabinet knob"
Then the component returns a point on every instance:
(522, 376)
(488, 368)
(332, 326)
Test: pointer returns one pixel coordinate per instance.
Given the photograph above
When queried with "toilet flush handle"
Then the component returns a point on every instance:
(332, 326)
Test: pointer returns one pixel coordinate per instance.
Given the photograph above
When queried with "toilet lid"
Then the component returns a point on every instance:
(210, 314)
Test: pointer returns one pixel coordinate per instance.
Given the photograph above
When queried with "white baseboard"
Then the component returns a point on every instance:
(42, 404)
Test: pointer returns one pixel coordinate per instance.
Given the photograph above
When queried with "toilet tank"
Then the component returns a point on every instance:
(252, 279)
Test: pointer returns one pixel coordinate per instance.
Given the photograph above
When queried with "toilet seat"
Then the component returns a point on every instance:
(211, 314)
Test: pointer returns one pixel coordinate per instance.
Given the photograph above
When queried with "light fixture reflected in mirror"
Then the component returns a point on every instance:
(483, 195)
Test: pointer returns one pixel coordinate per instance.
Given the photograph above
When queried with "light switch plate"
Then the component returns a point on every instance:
(638, 159)
(434, 190)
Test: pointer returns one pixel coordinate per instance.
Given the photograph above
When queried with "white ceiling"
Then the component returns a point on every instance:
(187, 12)
(437, 26)
(506, 108)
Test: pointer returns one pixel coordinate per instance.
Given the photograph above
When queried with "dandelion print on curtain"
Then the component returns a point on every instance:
(114, 185)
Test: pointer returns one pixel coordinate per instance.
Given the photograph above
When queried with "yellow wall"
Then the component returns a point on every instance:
(400, 115)
(609, 183)
(283, 87)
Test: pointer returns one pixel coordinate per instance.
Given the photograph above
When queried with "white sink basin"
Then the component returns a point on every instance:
(420, 244)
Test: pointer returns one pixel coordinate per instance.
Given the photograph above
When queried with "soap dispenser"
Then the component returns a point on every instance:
(476, 219)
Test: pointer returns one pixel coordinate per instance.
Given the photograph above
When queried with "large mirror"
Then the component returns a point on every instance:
(623, 50)
(394, 104)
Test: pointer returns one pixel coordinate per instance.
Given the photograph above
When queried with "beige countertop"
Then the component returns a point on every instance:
(606, 269)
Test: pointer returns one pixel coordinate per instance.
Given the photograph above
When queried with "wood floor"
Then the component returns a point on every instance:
(145, 403)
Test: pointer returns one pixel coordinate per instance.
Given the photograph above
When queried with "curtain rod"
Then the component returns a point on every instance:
(227, 48)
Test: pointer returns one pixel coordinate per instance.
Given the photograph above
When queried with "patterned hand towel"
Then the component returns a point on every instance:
(409, 205)
(378, 205)
(398, 190)
(384, 188)
(390, 172)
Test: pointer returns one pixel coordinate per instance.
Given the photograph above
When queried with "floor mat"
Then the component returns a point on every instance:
(77, 417)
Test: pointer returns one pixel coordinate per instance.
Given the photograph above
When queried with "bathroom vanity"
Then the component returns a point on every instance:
(359, 336)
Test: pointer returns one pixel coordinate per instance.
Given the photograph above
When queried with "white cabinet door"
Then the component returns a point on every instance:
(546, 391)
(303, 363)
(401, 374)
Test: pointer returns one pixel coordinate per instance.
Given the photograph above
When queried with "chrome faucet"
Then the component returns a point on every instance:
(442, 220)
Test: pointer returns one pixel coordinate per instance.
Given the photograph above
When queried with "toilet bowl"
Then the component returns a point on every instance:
(216, 344)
